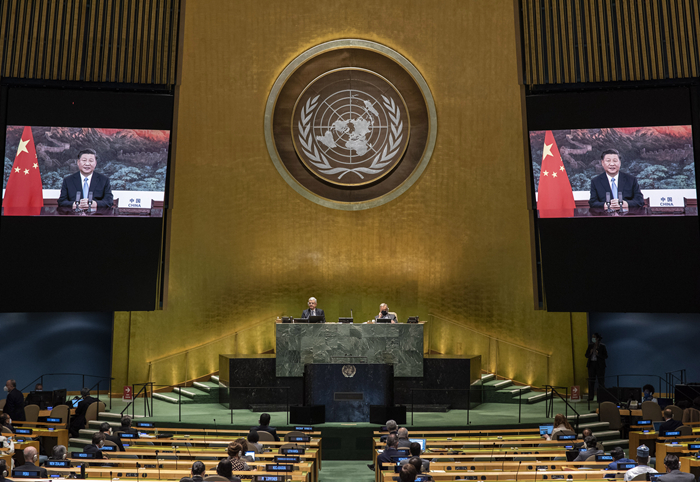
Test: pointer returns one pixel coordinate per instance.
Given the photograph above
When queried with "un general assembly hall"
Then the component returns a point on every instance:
(305, 241)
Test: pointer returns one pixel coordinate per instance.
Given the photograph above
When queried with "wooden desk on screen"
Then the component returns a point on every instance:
(690, 465)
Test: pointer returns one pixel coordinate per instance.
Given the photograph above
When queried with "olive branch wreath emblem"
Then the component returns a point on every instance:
(380, 161)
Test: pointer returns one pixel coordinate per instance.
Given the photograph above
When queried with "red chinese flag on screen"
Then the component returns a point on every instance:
(23, 193)
(554, 196)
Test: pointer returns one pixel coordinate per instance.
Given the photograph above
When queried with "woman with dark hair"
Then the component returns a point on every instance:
(4, 471)
(234, 455)
(648, 395)
(253, 439)
(244, 450)
(225, 469)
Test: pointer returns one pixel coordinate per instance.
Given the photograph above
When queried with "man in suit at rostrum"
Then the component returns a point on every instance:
(614, 182)
(313, 311)
(84, 182)
(673, 472)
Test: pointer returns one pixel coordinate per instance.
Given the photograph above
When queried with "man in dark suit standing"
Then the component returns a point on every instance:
(614, 182)
(596, 354)
(84, 182)
(265, 426)
(14, 405)
(313, 311)
(78, 421)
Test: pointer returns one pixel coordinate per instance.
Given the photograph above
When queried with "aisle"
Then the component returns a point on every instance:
(344, 470)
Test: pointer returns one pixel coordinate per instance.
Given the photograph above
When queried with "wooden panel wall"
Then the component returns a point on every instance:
(569, 41)
(128, 41)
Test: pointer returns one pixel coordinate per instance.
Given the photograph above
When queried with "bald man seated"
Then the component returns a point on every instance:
(31, 458)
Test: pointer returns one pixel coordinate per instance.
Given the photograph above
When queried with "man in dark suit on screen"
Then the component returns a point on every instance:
(613, 181)
(14, 406)
(313, 311)
(86, 181)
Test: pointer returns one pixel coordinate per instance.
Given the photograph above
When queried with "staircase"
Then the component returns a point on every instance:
(609, 438)
(199, 392)
(505, 391)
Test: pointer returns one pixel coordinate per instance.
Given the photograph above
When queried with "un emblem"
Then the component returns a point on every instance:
(350, 127)
(349, 371)
(350, 124)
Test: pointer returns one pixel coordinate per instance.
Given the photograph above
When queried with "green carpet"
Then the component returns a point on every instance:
(344, 470)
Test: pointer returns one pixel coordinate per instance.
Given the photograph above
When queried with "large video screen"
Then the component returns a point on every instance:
(648, 171)
(84, 171)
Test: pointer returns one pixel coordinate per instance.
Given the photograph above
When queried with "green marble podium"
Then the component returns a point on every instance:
(399, 344)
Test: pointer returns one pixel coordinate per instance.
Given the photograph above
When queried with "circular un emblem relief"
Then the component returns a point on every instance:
(349, 371)
(350, 127)
(350, 124)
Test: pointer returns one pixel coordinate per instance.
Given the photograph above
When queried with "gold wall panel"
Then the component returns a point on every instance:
(128, 41)
(569, 41)
(245, 247)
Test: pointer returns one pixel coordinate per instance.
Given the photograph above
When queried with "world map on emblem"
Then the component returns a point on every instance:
(350, 127)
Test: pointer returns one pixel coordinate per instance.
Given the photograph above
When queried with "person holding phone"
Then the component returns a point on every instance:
(86, 183)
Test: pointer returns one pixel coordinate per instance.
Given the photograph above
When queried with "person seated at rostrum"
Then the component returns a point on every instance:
(648, 395)
(561, 424)
(4, 471)
(392, 427)
(244, 448)
(196, 473)
(224, 469)
(643, 464)
(98, 441)
(126, 426)
(254, 440)
(673, 471)
(265, 426)
(408, 473)
(59, 452)
(669, 424)
(390, 451)
(31, 457)
(6, 424)
(587, 432)
(404, 443)
(415, 452)
(618, 456)
(591, 445)
(106, 429)
(234, 454)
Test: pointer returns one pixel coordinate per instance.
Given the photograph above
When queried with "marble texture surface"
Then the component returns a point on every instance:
(400, 345)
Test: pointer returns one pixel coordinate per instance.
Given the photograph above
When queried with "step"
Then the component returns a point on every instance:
(607, 434)
(96, 424)
(214, 378)
(114, 416)
(79, 441)
(485, 377)
(201, 386)
(169, 397)
(87, 433)
(536, 397)
(594, 426)
(611, 444)
(187, 391)
(584, 417)
(498, 384)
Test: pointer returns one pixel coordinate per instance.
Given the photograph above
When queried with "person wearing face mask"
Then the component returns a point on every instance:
(98, 441)
(384, 314)
(596, 354)
(648, 394)
(6, 424)
(14, 405)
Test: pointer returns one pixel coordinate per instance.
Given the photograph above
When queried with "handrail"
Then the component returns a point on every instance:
(41, 377)
(549, 406)
(489, 336)
(210, 342)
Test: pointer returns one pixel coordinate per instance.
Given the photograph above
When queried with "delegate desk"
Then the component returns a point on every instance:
(166, 474)
(588, 475)
(399, 344)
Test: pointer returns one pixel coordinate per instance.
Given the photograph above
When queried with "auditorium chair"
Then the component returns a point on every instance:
(216, 478)
(644, 476)
(651, 411)
(93, 411)
(61, 411)
(685, 430)
(288, 446)
(609, 412)
(691, 415)
(289, 435)
(265, 436)
(31, 413)
(677, 412)
(4, 429)
(2, 404)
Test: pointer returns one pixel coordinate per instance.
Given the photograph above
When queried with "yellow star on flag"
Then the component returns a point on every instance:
(22, 147)
(561, 168)
(35, 165)
(547, 151)
(16, 169)
(26, 171)
(546, 173)
(554, 174)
